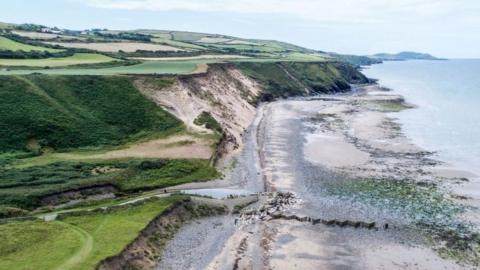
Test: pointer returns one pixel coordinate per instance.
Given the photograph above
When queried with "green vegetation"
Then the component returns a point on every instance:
(420, 203)
(76, 59)
(11, 212)
(41, 112)
(6, 25)
(26, 187)
(178, 44)
(148, 67)
(386, 106)
(37, 244)
(10, 45)
(283, 79)
(77, 241)
(162, 82)
(205, 118)
(113, 230)
(356, 59)
(187, 36)
(124, 36)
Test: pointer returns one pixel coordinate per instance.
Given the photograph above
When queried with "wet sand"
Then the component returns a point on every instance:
(301, 146)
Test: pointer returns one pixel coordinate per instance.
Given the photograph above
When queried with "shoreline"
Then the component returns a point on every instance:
(305, 147)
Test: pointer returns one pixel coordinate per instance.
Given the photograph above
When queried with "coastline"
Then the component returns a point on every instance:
(345, 159)
(446, 119)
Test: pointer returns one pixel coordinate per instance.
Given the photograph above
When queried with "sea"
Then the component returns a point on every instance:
(446, 93)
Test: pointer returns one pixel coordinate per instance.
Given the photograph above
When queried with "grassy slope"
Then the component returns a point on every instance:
(79, 113)
(36, 245)
(77, 242)
(64, 112)
(285, 79)
(10, 45)
(113, 231)
(76, 59)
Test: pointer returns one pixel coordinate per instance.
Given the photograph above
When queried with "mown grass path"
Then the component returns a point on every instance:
(83, 252)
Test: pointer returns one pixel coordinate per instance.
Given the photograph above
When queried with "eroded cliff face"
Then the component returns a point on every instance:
(229, 91)
(223, 91)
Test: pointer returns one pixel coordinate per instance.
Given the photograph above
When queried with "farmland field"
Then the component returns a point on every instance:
(175, 43)
(187, 36)
(161, 65)
(76, 59)
(76, 242)
(45, 36)
(11, 45)
(213, 40)
(149, 67)
(244, 47)
(116, 46)
(199, 57)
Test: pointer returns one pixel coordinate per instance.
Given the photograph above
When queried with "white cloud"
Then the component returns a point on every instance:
(364, 11)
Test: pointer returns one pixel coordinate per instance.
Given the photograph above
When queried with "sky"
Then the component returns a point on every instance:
(444, 28)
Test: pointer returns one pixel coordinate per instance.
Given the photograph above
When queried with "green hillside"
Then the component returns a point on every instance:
(74, 111)
(11, 45)
(284, 79)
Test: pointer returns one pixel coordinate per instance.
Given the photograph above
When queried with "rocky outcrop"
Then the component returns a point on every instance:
(278, 202)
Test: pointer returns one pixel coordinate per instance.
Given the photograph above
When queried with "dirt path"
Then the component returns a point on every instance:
(175, 147)
(184, 146)
(83, 252)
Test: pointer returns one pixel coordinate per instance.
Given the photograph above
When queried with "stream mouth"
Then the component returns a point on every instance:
(217, 193)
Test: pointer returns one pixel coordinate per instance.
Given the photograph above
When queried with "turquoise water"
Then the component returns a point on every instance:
(447, 94)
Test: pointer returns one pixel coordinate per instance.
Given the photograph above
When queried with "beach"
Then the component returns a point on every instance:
(362, 195)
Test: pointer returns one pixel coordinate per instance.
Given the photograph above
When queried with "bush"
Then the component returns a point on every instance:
(12, 212)
(205, 118)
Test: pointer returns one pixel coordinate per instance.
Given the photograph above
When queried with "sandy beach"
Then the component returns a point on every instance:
(362, 195)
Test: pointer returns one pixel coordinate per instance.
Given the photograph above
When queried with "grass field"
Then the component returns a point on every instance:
(148, 67)
(187, 36)
(76, 242)
(37, 245)
(10, 45)
(116, 46)
(164, 65)
(45, 36)
(246, 47)
(206, 57)
(76, 59)
(175, 43)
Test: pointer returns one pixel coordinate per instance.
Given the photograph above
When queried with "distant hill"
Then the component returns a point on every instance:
(404, 56)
